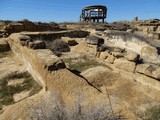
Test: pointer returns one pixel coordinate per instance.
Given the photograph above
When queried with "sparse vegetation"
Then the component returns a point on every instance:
(81, 64)
(61, 111)
(7, 91)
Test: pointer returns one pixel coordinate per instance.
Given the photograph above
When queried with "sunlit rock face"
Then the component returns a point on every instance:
(139, 44)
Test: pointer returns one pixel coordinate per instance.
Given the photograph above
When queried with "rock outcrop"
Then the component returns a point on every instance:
(130, 62)
(133, 42)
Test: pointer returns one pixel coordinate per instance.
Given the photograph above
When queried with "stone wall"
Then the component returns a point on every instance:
(139, 44)
(149, 28)
(13, 27)
(128, 63)
(50, 72)
(55, 35)
(73, 91)
(38, 62)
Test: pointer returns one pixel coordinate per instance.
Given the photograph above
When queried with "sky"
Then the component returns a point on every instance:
(70, 10)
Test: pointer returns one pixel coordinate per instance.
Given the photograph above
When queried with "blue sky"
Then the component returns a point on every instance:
(69, 10)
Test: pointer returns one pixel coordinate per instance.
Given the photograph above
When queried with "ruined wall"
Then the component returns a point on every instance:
(127, 64)
(40, 63)
(49, 71)
(149, 28)
(143, 46)
(13, 27)
(73, 91)
(131, 54)
(54, 35)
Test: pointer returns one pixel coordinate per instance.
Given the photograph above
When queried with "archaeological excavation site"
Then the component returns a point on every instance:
(89, 70)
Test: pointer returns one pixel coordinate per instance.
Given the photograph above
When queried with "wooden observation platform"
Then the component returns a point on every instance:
(95, 13)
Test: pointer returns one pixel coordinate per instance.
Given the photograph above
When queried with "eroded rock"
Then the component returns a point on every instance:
(124, 64)
(117, 54)
(149, 53)
(104, 55)
(131, 56)
(149, 70)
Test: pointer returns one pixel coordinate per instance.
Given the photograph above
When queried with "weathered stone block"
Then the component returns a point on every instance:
(149, 53)
(117, 54)
(124, 64)
(131, 56)
(149, 70)
(104, 55)
(110, 59)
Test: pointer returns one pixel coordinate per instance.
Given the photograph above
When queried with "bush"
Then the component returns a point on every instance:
(57, 45)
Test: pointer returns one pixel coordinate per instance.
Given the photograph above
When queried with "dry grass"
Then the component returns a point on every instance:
(82, 63)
